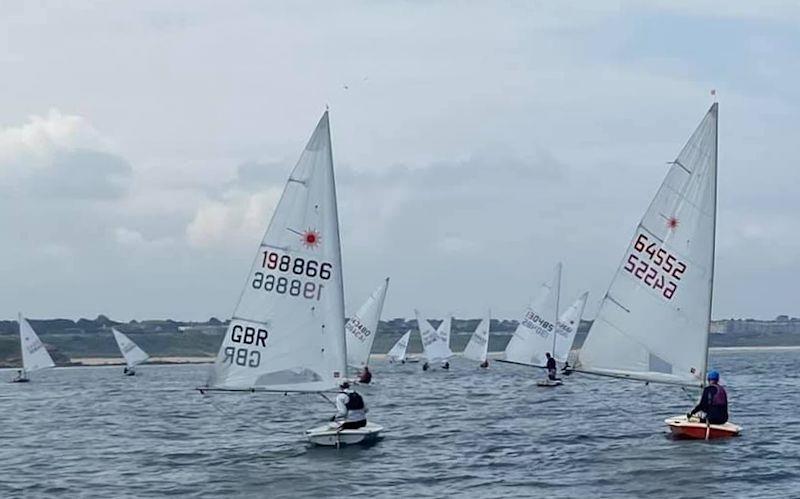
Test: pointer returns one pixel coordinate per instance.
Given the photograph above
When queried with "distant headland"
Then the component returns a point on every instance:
(73, 342)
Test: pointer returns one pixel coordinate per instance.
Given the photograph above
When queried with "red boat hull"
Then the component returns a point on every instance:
(695, 430)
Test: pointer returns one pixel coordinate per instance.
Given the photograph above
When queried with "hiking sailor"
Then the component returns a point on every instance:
(350, 409)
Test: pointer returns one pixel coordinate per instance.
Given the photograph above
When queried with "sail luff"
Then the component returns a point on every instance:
(715, 110)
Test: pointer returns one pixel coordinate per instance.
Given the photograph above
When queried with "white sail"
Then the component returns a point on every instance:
(34, 353)
(130, 350)
(653, 321)
(478, 347)
(361, 328)
(433, 344)
(568, 328)
(444, 329)
(287, 332)
(398, 351)
(534, 334)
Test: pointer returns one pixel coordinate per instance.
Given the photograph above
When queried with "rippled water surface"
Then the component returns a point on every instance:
(467, 433)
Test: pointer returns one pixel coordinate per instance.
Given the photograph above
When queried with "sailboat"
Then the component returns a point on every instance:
(653, 322)
(538, 333)
(444, 329)
(287, 333)
(131, 351)
(34, 353)
(434, 343)
(361, 328)
(398, 352)
(478, 347)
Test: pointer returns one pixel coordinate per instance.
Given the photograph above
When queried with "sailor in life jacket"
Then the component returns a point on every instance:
(551, 367)
(713, 402)
(350, 408)
(366, 376)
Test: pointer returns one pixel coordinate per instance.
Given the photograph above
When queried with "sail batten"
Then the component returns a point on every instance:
(288, 331)
(653, 322)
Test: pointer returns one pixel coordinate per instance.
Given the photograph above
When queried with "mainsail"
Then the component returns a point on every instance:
(398, 351)
(534, 334)
(444, 329)
(361, 328)
(434, 344)
(287, 331)
(130, 350)
(653, 322)
(34, 353)
(568, 328)
(478, 347)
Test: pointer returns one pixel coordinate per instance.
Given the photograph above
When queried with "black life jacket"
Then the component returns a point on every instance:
(354, 402)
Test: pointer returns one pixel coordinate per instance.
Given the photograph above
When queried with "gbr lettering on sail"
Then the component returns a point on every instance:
(290, 277)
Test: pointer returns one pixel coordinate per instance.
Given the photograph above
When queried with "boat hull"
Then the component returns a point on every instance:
(695, 430)
(330, 435)
(548, 383)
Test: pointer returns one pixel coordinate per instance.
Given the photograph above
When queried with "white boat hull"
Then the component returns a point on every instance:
(548, 383)
(331, 436)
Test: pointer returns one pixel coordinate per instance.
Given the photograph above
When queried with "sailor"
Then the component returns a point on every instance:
(365, 377)
(713, 402)
(485, 364)
(425, 366)
(125, 370)
(350, 408)
(19, 376)
(551, 367)
(445, 365)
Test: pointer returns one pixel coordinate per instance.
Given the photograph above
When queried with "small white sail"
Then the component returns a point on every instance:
(568, 328)
(444, 329)
(34, 353)
(287, 332)
(478, 347)
(130, 350)
(534, 334)
(653, 322)
(434, 345)
(361, 328)
(398, 351)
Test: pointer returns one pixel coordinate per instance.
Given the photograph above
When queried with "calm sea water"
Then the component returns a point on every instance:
(90, 432)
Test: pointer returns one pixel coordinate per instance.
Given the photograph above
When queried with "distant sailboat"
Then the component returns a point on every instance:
(131, 351)
(287, 333)
(478, 347)
(445, 328)
(537, 332)
(398, 352)
(434, 342)
(654, 320)
(34, 353)
(361, 328)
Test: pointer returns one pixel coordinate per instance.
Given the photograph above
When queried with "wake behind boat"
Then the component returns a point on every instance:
(287, 333)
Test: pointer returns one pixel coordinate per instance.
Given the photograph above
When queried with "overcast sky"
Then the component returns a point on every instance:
(143, 146)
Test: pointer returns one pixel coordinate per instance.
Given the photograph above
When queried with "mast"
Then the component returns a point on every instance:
(715, 109)
(557, 285)
(343, 357)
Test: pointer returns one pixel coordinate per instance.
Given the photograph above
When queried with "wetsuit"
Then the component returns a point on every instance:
(714, 402)
(551, 368)
(365, 377)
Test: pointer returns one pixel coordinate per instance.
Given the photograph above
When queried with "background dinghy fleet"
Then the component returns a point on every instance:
(289, 335)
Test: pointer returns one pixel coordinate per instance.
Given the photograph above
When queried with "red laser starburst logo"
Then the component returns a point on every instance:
(672, 223)
(311, 239)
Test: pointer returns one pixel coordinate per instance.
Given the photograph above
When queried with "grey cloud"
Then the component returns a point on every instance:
(83, 174)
